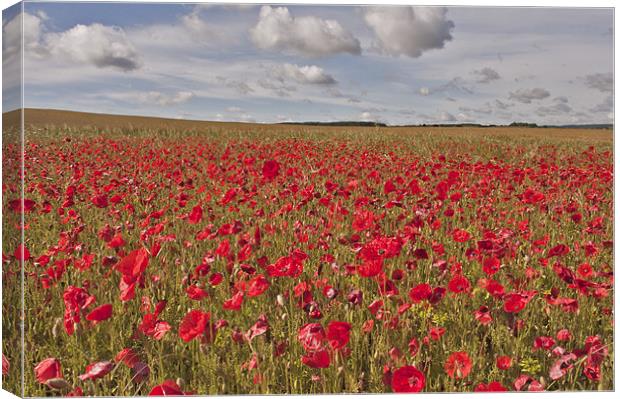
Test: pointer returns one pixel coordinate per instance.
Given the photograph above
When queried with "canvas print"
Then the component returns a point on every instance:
(211, 199)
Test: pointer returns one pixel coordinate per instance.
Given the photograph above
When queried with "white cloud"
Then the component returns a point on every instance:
(447, 117)
(409, 31)
(369, 117)
(153, 97)
(606, 106)
(526, 96)
(196, 25)
(32, 30)
(425, 91)
(603, 82)
(96, 44)
(277, 30)
(307, 74)
(486, 75)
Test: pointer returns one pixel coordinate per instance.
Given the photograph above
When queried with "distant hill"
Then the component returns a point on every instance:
(513, 124)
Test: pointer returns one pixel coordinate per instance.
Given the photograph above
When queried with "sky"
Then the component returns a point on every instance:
(253, 63)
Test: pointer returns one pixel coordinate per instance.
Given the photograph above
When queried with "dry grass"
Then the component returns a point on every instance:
(40, 118)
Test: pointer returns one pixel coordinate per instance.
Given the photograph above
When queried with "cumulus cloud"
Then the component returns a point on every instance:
(163, 99)
(603, 82)
(502, 105)
(606, 106)
(409, 31)
(32, 33)
(238, 85)
(368, 116)
(307, 74)
(278, 30)
(197, 26)
(486, 75)
(526, 96)
(96, 44)
(447, 117)
(559, 107)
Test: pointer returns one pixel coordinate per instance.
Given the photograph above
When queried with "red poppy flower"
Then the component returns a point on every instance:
(5, 365)
(491, 266)
(235, 302)
(585, 270)
(524, 381)
(414, 347)
(167, 388)
(460, 235)
(22, 253)
(420, 292)
(97, 370)
(458, 365)
(515, 301)
(260, 327)
(483, 315)
(48, 369)
(564, 335)
(338, 333)
(127, 356)
(408, 379)
(311, 336)
(316, 360)
(545, 343)
(271, 169)
(458, 284)
(494, 386)
(196, 293)
(195, 216)
(257, 286)
(193, 324)
(503, 362)
(100, 313)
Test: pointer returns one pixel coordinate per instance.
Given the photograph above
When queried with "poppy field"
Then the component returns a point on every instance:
(297, 260)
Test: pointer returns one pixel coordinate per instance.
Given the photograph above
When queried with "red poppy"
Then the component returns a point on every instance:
(491, 266)
(317, 359)
(100, 313)
(338, 333)
(260, 327)
(5, 365)
(408, 379)
(127, 356)
(458, 365)
(271, 169)
(235, 302)
(420, 292)
(494, 386)
(585, 270)
(524, 381)
(311, 336)
(458, 284)
(543, 342)
(196, 293)
(22, 253)
(503, 362)
(97, 370)
(48, 369)
(167, 388)
(193, 324)
(515, 301)
(483, 315)
(257, 286)
(460, 235)
(564, 335)
(195, 216)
